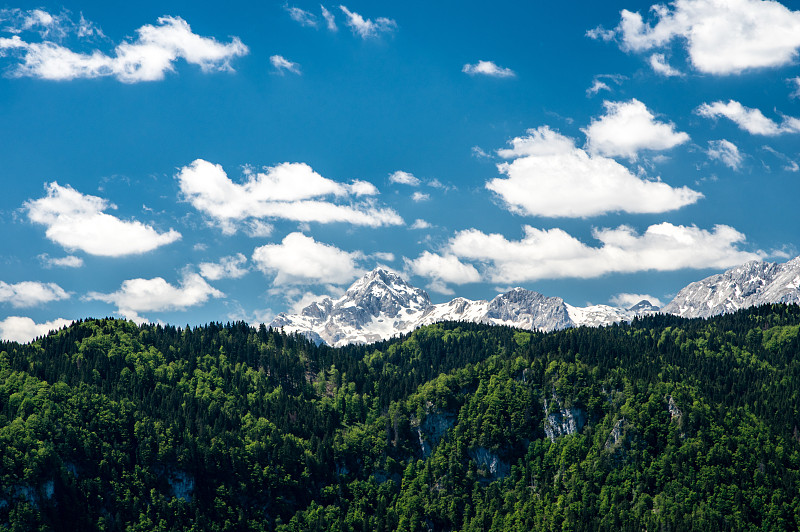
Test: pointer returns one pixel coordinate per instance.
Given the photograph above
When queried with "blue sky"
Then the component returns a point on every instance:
(186, 163)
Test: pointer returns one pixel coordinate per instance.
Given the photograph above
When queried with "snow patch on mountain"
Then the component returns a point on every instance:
(751, 284)
(382, 304)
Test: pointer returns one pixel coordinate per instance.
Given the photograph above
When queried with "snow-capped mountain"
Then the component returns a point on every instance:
(382, 304)
(378, 306)
(753, 283)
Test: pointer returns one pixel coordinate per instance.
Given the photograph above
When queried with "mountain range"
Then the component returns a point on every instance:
(382, 304)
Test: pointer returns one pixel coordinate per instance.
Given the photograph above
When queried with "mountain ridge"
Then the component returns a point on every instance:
(382, 304)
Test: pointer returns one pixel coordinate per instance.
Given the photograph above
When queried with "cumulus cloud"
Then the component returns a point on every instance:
(157, 295)
(550, 176)
(660, 66)
(419, 223)
(230, 267)
(299, 259)
(148, 58)
(366, 28)
(441, 270)
(22, 329)
(70, 261)
(488, 68)
(77, 221)
(281, 65)
(555, 254)
(290, 191)
(726, 152)
(628, 300)
(330, 21)
(629, 127)
(30, 293)
(721, 36)
(749, 119)
(404, 178)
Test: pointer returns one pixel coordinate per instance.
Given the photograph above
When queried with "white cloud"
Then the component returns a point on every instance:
(554, 254)
(21, 329)
(443, 268)
(790, 166)
(419, 223)
(291, 191)
(77, 221)
(70, 261)
(722, 36)
(47, 25)
(550, 176)
(478, 152)
(148, 58)
(420, 196)
(281, 65)
(299, 259)
(629, 127)
(258, 229)
(30, 293)
(660, 66)
(229, 267)
(404, 178)
(599, 83)
(488, 68)
(596, 87)
(157, 295)
(626, 300)
(726, 152)
(385, 256)
(749, 119)
(796, 83)
(366, 28)
(329, 19)
(601, 34)
(302, 17)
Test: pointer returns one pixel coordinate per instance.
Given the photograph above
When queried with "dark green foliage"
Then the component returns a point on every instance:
(674, 424)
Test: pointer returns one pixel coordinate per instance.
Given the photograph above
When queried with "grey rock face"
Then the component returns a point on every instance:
(529, 310)
(381, 305)
(751, 284)
(644, 306)
(562, 421)
(489, 463)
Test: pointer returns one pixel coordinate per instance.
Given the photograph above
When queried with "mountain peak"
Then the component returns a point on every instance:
(379, 275)
(382, 304)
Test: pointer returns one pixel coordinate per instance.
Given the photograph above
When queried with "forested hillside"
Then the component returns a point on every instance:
(663, 423)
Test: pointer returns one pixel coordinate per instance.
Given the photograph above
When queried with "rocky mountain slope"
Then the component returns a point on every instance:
(382, 304)
(751, 284)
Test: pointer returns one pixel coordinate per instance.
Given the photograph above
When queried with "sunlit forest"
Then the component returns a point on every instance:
(659, 424)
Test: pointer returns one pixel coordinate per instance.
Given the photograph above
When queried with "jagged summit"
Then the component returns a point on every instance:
(382, 304)
(644, 306)
(753, 283)
(383, 291)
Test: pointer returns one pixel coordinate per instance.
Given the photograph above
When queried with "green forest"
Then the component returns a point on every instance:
(659, 424)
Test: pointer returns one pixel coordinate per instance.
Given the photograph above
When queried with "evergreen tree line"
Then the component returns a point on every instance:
(660, 423)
